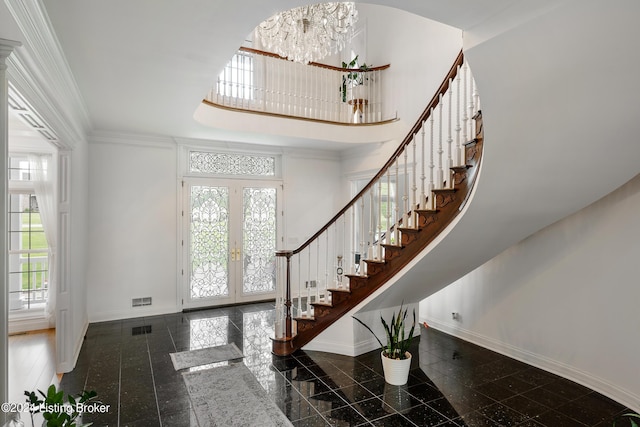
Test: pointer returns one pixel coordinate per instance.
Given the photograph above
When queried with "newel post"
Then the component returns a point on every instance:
(284, 296)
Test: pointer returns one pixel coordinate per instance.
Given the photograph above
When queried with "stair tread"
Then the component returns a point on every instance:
(322, 304)
(426, 211)
(339, 290)
(444, 190)
(374, 261)
(392, 245)
(409, 229)
(463, 167)
(299, 319)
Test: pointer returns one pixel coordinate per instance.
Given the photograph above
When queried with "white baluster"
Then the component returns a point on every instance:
(449, 137)
(317, 269)
(299, 286)
(354, 240)
(326, 265)
(423, 176)
(362, 245)
(414, 186)
(308, 282)
(471, 109)
(465, 118)
(476, 103)
(379, 210)
(405, 195)
(372, 224)
(440, 174)
(397, 204)
(431, 160)
(389, 239)
(459, 154)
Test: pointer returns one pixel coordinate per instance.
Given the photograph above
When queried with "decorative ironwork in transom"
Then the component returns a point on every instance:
(225, 164)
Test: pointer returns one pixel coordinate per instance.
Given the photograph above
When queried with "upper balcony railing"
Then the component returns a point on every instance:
(264, 82)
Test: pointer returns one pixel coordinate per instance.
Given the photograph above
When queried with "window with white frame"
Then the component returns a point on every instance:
(28, 247)
(236, 80)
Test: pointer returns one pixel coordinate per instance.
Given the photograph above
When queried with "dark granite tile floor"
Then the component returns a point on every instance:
(452, 382)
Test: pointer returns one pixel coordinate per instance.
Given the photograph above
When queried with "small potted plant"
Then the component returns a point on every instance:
(353, 79)
(56, 411)
(396, 359)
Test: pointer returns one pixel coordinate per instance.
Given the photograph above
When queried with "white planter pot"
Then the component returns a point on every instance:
(396, 371)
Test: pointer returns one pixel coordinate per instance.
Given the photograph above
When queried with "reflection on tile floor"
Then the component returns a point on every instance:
(452, 382)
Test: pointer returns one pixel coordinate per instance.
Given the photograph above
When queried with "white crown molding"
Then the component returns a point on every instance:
(140, 140)
(243, 147)
(40, 73)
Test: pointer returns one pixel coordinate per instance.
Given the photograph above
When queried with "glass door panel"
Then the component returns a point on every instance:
(209, 243)
(232, 233)
(258, 240)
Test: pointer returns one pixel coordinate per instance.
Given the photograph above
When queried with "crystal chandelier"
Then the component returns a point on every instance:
(309, 33)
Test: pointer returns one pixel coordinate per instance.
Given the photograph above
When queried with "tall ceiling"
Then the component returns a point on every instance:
(144, 66)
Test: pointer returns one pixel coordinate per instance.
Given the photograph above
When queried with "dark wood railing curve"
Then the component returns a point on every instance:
(444, 86)
(436, 203)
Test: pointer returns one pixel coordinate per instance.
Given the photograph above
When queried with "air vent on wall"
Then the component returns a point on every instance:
(140, 302)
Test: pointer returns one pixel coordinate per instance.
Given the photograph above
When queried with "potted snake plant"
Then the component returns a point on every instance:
(396, 359)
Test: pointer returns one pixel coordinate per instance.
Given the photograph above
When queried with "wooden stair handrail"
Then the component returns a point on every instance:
(444, 86)
(315, 64)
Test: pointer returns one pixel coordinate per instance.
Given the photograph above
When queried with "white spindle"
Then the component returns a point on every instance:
(326, 264)
(431, 160)
(317, 270)
(380, 213)
(414, 186)
(299, 286)
(309, 283)
(440, 174)
(354, 240)
(372, 224)
(388, 234)
(459, 154)
(423, 176)
(471, 112)
(476, 104)
(397, 205)
(362, 246)
(405, 192)
(465, 118)
(449, 136)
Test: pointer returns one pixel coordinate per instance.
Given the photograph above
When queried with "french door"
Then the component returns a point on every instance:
(231, 229)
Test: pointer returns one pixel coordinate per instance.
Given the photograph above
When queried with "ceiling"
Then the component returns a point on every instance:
(143, 67)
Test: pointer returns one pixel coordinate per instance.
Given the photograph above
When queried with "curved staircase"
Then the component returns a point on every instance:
(424, 217)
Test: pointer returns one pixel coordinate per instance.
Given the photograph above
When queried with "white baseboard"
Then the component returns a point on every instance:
(586, 379)
(131, 313)
(344, 349)
(18, 326)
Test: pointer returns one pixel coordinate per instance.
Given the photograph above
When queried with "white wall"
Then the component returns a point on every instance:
(132, 238)
(78, 257)
(312, 194)
(564, 299)
(420, 51)
(348, 337)
(133, 247)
